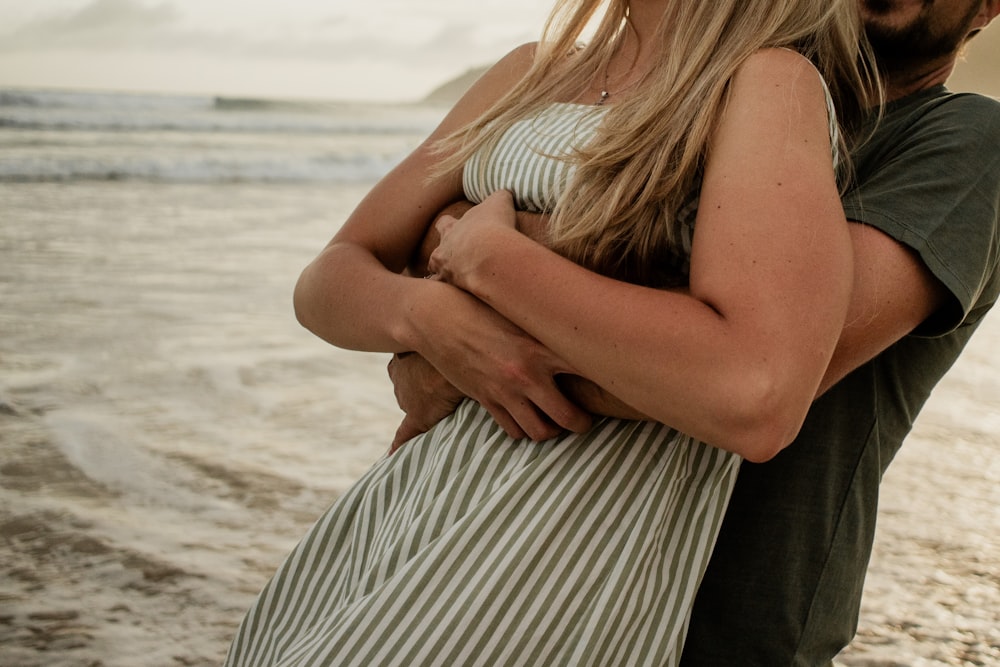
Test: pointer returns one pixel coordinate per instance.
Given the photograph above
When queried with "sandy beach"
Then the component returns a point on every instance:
(167, 431)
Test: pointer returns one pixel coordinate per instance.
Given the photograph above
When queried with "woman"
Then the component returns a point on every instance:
(469, 546)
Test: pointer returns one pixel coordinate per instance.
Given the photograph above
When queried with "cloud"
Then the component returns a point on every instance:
(171, 26)
(380, 54)
(110, 26)
(102, 14)
(102, 25)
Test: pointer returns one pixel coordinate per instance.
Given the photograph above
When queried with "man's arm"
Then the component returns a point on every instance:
(893, 293)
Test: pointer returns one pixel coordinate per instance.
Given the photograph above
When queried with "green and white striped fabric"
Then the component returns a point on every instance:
(468, 547)
(530, 159)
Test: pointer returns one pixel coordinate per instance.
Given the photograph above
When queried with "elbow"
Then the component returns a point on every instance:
(303, 302)
(762, 444)
(764, 420)
(299, 303)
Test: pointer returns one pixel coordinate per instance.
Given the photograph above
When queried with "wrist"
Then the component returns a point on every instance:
(424, 305)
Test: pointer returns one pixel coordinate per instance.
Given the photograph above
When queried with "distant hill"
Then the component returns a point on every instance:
(979, 71)
(448, 93)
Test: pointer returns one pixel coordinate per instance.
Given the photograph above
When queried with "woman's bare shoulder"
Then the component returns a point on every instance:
(507, 71)
(779, 66)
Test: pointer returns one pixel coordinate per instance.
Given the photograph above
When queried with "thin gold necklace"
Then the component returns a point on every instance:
(605, 93)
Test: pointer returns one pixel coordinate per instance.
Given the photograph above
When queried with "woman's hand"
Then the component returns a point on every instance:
(486, 357)
(463, 242)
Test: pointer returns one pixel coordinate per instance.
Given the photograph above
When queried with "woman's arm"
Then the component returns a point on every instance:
(355, 296)
(426, 397)
(736, 362)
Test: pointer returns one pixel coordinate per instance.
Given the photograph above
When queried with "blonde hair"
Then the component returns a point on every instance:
(618, 214)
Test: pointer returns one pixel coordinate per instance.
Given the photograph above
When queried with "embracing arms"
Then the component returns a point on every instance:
(725, 353)
(354, 294)
(737, 360)
(893, 292)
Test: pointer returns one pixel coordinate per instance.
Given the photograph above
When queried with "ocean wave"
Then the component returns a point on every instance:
(48, 136)
(207, 123)
(208, 169)
(222, 103)
(116, 112)
(235, 119)
(69, 99)
(94, 100)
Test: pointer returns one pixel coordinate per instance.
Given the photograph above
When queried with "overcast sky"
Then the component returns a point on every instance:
(347, 49)
(333, 49)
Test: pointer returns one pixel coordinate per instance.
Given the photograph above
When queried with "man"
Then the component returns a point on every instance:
(784, 586)
(785, 582)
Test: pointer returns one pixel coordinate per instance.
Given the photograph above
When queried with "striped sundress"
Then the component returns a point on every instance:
(468, 547)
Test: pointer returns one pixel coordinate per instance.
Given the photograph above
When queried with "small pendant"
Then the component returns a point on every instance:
(604, 95)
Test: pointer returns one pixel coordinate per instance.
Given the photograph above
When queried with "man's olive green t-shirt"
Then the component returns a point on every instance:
(785, 581)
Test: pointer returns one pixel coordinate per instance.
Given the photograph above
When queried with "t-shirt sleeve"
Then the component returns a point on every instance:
(932, 182)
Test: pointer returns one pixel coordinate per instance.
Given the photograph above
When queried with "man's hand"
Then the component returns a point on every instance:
(427, 397)
(422, 393)
(595, 399)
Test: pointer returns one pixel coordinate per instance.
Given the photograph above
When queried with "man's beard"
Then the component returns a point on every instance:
(919, 42)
